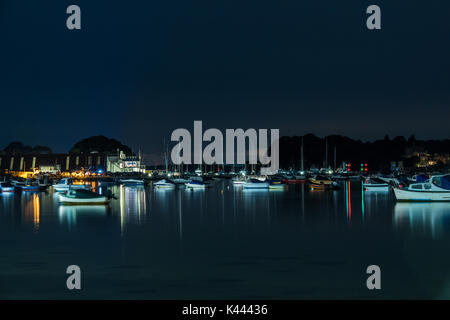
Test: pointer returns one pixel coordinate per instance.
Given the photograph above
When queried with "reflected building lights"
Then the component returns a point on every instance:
(36, 211)
(132, 206)
(32, 210)
(431, 219)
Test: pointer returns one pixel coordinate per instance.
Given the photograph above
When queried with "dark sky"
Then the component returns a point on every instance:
(139, 69)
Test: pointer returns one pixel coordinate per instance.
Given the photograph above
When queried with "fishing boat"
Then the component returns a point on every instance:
(256, 184)
(85, 197)
(132, 182)
(437, 188)
(6, 187)
(195, 184)
(67, 183)
(164, 184)
(374, 184)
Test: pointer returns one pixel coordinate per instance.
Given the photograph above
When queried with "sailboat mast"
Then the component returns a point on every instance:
(301, 157)
(334, 158)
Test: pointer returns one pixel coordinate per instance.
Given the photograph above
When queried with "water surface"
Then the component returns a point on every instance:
(225, 243)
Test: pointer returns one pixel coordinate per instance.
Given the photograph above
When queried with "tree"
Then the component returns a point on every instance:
(100, 144)
(17, 147)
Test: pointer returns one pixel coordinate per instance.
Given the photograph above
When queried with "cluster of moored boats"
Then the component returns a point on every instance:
(68, 191)
(406, 188)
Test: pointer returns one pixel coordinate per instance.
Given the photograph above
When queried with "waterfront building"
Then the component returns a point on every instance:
(122, 163)
(52, 163)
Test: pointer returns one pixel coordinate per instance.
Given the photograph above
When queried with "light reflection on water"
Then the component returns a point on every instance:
(431, 219)
(68, 214)
(132, 204)
(284, 237)
(31, 209)
(233, 203)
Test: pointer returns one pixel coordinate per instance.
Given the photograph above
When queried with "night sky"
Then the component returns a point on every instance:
(140, 69)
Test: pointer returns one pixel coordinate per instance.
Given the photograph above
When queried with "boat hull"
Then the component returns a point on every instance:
(262, 185)
(422, 196)
(77, 201)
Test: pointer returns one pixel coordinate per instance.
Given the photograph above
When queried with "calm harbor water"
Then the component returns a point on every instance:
(224, 242)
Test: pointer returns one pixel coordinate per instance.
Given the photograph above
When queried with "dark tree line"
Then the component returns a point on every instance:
(100, 144)
(377, 154)
(19, 148)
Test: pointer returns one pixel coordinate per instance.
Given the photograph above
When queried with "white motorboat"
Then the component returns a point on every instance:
(256, 184)
(164, 184)
(373, 184)
(67, 183)
(85, 197)
(435, 189)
